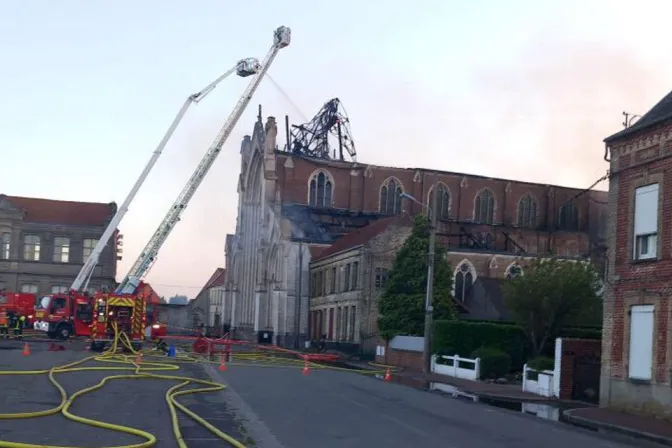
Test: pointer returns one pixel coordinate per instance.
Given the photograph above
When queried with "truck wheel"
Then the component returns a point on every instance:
(63, 332)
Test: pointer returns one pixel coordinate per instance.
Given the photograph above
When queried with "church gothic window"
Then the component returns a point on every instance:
(527, 212)
(464, 282)
(390, 197)
(484, 207)
(568, 217)
(321, 190)
(443, 201)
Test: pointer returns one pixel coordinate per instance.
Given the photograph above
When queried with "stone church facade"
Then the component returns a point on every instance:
(292, 207)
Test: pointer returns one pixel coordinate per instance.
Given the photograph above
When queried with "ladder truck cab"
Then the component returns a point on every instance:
(64, 315)
(118, 313)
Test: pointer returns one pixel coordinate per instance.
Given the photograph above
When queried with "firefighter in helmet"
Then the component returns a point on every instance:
(20, 322)
(4, 325)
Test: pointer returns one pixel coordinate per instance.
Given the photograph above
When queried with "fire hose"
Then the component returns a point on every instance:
(143, 371)
(140, 371)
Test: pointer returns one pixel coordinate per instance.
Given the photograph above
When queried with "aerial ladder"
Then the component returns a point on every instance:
(144, 262)
(243, 68)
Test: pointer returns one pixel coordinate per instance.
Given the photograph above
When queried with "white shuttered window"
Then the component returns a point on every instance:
(646, 222)
(641, 342)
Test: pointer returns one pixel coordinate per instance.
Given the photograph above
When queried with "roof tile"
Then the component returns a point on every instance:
(50, 211)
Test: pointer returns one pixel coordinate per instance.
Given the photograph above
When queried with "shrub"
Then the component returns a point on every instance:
(541, 363)
(463, 337)
(495, 363)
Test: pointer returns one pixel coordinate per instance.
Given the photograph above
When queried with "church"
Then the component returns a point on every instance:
(296, 202)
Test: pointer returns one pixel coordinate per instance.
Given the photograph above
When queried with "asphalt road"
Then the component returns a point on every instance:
(137, 403)
(283, 408)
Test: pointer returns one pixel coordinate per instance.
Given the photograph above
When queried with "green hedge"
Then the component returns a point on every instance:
(463, 338)
(495, 363)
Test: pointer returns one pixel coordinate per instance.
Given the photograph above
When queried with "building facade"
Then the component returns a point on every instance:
(346, 280)
(292, 205)
(208, 306)
(637, 334)
(45, 243)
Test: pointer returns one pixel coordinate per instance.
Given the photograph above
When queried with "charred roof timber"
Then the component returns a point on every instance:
(312, 138)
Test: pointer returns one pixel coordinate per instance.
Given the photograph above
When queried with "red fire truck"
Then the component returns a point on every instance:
(122, 313)
(22, 304)
(64, 315)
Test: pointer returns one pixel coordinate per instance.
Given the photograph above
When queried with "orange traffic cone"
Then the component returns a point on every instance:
(306, 370)
(388, 376)
(26, 349)
(222, 364)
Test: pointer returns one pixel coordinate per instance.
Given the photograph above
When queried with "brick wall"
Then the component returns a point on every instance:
(638, 159)
(357, 188)
(410, 360)
(572, 349)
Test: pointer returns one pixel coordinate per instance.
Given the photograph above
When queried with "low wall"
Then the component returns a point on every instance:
(401, 351)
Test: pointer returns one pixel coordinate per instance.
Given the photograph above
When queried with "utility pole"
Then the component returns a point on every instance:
(429, 308)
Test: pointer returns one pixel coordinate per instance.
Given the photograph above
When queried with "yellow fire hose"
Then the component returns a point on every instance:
(141, 371)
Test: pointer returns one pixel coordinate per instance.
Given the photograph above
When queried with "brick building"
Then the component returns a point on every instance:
(637, 336)
(291, 205)
(45, 243)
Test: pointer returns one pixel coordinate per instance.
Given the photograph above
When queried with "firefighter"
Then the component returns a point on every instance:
(4, 329)
(20, 321)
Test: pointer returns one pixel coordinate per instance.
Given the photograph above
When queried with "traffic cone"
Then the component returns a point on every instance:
(306, 370)
(26, 349)
(222, 364)
(388, 376)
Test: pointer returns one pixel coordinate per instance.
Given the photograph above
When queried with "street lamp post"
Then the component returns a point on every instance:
(429, 308)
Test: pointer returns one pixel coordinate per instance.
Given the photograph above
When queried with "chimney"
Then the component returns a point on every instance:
(271, 129)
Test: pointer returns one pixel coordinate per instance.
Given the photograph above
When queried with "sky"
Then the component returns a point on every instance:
(518, 89)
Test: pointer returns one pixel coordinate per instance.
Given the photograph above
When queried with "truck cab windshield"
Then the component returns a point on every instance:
(43, 304)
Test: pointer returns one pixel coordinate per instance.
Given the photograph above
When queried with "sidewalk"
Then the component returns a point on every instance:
(652, 429)
(504, 392)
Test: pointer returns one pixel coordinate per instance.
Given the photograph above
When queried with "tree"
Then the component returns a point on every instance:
(549, 296)
(178, 299)
(402, 304)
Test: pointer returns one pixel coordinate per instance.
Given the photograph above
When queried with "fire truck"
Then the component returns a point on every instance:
(118, 313)
(22, 304)
(58, 314)
(64, 315)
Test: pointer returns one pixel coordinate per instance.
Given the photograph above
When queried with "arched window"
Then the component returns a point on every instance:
(464, 282)
(568, 218)
(443, 201)
(527, 212)
(513, 271)
(321, 189)
(484, 207)
(390, 197)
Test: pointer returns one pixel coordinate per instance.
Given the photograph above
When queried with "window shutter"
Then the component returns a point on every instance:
(646, 210)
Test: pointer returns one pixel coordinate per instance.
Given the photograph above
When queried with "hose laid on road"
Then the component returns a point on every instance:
(140, 371)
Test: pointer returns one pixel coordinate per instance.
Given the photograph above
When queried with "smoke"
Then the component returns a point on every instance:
(568, 97)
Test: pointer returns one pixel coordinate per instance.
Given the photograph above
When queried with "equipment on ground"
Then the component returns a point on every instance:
(144, 262)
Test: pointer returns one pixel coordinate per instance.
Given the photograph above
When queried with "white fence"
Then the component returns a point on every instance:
(544, 382)
(538, 382)
(468, 369)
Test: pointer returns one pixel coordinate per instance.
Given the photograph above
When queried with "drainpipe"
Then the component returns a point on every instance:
(297, 326)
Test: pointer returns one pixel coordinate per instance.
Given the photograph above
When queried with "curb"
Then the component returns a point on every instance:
(485, 395)
(592, 424)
